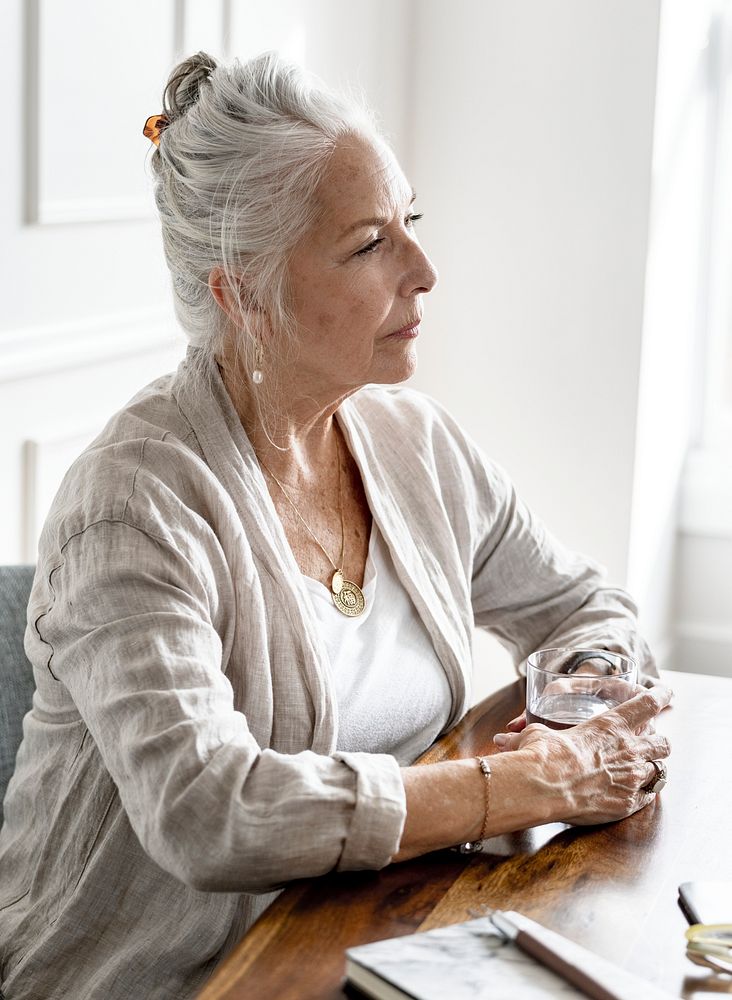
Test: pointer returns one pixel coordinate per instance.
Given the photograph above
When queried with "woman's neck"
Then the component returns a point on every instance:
(299, 444)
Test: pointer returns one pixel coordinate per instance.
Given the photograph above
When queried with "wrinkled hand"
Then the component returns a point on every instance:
(599, 767)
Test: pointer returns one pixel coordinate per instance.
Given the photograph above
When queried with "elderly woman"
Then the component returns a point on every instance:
(256, 588)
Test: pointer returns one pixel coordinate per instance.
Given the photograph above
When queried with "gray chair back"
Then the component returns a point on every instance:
(16, 673)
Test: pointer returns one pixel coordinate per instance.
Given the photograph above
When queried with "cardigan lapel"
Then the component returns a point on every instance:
(232, 460)
(364, 437)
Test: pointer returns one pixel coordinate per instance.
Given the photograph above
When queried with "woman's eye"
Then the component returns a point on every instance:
(370, 247)
(409, 221)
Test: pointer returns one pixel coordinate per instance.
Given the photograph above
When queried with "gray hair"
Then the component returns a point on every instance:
(236, 171)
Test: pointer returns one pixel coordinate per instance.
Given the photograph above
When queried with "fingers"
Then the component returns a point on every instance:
(615, 689)
(654, 747)
(517, 724)
(638, 711)
(508, 741)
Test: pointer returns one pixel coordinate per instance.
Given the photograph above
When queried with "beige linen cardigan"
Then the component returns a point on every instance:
(180, 761)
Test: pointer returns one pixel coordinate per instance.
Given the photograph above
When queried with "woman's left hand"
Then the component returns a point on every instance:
(599, 769)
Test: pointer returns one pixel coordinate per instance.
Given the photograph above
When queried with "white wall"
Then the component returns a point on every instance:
(532, 149)
(531, 156)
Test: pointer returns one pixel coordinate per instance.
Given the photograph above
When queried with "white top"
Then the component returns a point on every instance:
(392, 692)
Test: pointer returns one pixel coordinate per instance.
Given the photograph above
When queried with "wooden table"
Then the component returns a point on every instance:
(611, 888)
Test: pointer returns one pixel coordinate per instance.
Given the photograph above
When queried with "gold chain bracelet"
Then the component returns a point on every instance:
(473, 846)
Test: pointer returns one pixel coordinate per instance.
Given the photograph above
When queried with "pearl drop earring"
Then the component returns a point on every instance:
(257, 374)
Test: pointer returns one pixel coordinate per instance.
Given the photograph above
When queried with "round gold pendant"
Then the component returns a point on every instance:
(347, 596)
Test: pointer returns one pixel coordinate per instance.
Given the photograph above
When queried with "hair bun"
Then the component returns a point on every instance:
(184, 83)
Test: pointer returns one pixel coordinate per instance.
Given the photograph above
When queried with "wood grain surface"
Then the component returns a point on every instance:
(611, 888)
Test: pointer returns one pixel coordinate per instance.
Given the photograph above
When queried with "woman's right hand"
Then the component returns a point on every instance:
(518, 724)
(597, 770)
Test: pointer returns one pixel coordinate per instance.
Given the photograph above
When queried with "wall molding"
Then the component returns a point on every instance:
(706, 495)
(45, 458)
(80, 210)
(40, 209)
(705, 633)
(703, 649)
(32, 351)
(663, 653)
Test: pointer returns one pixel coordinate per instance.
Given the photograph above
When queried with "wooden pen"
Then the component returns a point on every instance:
(595, 976)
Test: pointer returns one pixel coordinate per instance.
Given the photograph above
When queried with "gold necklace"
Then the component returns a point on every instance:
(347, 595)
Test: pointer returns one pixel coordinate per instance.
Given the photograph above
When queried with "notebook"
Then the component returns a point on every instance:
(472, 961)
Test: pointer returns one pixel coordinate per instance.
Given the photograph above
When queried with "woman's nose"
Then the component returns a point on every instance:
(422, 275)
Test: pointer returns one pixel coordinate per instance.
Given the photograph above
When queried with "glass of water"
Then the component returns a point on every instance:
(567, 686)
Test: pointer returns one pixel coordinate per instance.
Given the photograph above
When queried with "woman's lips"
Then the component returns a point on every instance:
(408, 333)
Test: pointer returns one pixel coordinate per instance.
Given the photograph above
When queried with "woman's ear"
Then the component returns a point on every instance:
(231, 294)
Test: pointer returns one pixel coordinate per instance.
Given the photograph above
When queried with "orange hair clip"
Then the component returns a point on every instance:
(154, 127)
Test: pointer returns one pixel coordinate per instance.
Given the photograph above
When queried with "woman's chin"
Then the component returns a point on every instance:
(399, 369)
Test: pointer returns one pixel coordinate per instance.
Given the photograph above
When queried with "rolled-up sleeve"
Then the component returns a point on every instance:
(531, 591)
(130, 631)
(377, 794)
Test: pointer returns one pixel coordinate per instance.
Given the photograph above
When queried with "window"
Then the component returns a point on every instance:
(716, 409)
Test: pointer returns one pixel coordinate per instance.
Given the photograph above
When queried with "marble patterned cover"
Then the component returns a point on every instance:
(468, 961)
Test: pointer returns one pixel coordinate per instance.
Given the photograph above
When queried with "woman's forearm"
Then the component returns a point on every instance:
(446, 802)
